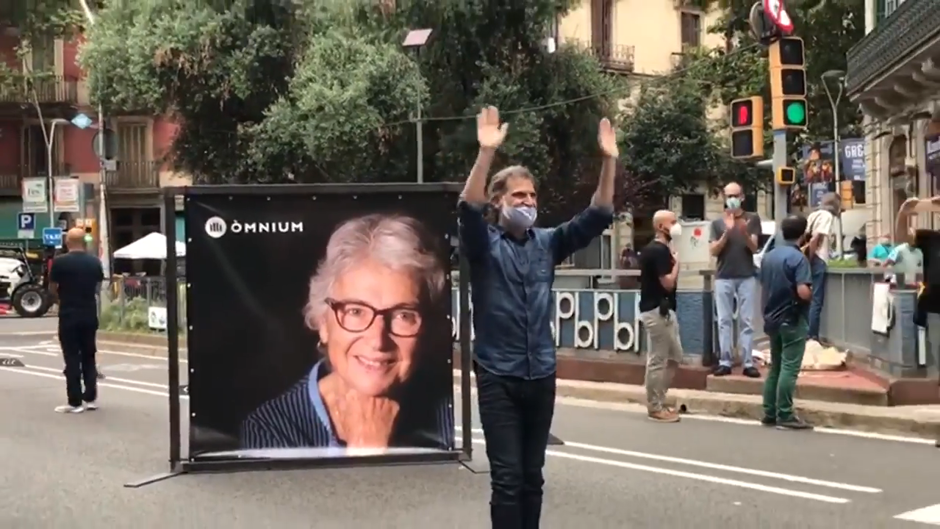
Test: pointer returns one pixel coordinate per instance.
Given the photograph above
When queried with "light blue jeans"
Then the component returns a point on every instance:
(746, 292)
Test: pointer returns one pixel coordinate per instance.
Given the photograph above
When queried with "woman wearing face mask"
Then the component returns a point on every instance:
(659, 274)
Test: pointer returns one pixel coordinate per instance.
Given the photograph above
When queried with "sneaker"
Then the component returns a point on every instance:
(768, 421)
(722, 371)
(91, 406)
(751, 372)
(664, 416)
(793, 423)
(69, 409)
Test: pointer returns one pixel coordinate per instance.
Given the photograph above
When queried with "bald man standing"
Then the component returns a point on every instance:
(734, 239)
(659, 277)
(76, 278)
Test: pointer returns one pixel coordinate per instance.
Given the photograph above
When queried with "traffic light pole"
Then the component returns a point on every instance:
(780, 161)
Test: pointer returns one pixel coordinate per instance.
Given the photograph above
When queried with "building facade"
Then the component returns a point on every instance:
(645, 39)
(894, 76)
(49, 77)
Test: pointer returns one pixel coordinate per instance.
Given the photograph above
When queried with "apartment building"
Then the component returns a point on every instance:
(645, 39)
(894, 75)
(50, 76)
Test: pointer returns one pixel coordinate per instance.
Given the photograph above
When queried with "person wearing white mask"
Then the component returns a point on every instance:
(659, 277)
(512, 268)
(734, 242)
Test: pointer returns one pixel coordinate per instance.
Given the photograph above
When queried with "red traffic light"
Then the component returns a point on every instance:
(742, 113)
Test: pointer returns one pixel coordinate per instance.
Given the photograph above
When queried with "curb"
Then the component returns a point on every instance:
(885, 420)
(872, 419)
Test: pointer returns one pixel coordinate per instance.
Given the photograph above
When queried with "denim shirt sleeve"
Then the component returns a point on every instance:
(578, 232)
(473, 229)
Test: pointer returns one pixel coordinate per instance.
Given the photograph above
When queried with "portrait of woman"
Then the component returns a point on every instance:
(372, 300)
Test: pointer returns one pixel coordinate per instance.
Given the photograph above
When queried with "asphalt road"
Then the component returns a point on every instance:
(617, 470)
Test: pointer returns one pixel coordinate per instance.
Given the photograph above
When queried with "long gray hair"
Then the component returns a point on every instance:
(394, 241)
(831, 203)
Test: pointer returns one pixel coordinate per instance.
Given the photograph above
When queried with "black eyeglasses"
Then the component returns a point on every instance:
(355, 316)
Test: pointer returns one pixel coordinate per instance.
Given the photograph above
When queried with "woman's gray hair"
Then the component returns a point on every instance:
(394, 241)
(830, 202)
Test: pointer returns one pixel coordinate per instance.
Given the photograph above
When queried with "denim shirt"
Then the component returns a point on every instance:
(781, 271)
(511, 287)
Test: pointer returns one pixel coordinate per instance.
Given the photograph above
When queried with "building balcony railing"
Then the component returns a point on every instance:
(613, 57)
(12, 175)
(900, 35)
(134, 175)
(47, 89)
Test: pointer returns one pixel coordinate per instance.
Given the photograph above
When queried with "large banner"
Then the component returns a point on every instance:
(319, 325)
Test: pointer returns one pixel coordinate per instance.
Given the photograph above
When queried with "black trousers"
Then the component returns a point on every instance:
(516, 416)
(77, 339)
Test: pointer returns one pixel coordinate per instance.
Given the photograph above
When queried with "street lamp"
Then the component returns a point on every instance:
(415, 40)
(50, 142)
(839, 77)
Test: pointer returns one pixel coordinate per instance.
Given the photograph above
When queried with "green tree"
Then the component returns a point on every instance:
(323, 91)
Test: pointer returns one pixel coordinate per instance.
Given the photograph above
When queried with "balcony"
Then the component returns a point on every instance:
(616, 58)
(898, 63)
(49, 89)
(134, 176)
(12, 175)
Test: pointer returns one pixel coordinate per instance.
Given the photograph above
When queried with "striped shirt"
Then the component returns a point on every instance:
(298, 418)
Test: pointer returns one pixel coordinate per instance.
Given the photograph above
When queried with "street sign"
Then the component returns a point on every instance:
(778, 13)
(25, 226)
(66, 196)
(34, 195)
(81, 121)
(52, 237)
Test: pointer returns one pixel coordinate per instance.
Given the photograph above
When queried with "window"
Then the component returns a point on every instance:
(884, 9)
(693, 206)
(35, 155)
(598, 254)
(602, 27)
(132, 151)
(691, 30)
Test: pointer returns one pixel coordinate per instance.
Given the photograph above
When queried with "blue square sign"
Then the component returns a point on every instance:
(52, 237)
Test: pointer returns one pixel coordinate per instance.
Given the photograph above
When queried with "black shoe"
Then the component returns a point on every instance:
(751, 372)
(722, 371)
(793, 423)
(768, 421)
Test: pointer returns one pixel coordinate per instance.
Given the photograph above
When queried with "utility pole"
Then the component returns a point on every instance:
(836, 152)
(415, 40)
(104, 242)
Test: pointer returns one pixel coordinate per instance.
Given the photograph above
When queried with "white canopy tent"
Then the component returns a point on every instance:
(153, 246)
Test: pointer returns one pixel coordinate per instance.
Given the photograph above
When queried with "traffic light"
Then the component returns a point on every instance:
(747, 127)
(788, 84)
(786, 176)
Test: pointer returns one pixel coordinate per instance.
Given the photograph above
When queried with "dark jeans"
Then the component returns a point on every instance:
(78, 347)
(516, 416)
(818, 269)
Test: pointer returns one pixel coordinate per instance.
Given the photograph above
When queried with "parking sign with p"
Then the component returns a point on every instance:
(26, 226)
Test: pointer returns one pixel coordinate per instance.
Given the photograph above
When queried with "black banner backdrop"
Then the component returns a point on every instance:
(319, 324)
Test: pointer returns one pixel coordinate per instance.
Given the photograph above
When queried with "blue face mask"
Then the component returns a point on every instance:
(520, 217)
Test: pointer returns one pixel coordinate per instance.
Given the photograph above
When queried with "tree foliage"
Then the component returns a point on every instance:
(268, 91)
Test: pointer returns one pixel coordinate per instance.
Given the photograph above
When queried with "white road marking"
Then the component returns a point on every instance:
(110, 378)
(23, 371)
(714, 466)
(28, 333)
(693, 476)
(632, 407)
(927, 515)
(565, 401)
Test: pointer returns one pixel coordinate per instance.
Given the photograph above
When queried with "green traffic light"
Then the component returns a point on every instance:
(88, 237)
(796, 113)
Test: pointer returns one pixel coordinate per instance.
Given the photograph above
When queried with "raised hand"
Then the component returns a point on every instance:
(490, 133)
(607, 138)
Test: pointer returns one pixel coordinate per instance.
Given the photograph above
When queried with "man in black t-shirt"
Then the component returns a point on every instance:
(659, 273)
(76, 278)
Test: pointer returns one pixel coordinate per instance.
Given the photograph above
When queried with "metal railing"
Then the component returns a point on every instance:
(127, 301)
(593, 313)
(11, 176)
(134, 175)
(21, 89)
(613, 57)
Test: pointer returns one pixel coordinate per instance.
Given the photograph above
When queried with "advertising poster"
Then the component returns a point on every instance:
(319, 325)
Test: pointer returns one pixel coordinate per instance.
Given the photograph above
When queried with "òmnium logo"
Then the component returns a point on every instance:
(216, 227)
